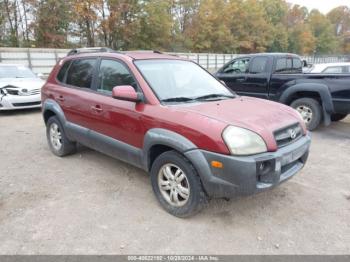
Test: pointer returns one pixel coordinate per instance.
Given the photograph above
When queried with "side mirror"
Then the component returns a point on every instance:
(126, 93)
(304, 63)
(40, 75)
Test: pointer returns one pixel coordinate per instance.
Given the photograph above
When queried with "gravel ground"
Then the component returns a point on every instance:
(89, 203)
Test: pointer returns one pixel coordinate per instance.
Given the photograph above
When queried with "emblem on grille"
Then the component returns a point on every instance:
(292, 133)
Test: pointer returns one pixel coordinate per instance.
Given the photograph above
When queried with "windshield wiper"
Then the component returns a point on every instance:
(178, 99)
(213, 96)
(199, 98)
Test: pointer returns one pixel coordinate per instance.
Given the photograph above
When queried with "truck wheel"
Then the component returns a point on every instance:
(57, 139)
(177, 185)
(310, 110)
(338, 117)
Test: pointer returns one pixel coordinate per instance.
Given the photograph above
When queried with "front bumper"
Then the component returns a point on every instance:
(247, 175)
(12, 102)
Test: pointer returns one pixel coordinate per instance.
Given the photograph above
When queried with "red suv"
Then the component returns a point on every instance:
(168, 116)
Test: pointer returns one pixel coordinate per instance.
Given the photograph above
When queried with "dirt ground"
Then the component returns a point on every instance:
(89, 203)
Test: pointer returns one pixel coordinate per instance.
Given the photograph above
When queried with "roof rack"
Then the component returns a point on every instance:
(76, 51)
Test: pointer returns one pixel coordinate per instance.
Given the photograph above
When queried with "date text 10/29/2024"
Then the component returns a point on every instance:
(173, 258)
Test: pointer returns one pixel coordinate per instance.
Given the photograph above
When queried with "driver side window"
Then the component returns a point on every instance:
(113, 73)
(238, 66)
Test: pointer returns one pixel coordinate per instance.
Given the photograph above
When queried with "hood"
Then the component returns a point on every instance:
(260, 116)
(28, 83)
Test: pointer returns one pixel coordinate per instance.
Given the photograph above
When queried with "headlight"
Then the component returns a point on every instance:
(242, 141)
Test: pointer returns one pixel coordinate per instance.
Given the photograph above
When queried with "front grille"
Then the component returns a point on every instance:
(30, 92)
(23, 92)
(27, 104)
(287, 135)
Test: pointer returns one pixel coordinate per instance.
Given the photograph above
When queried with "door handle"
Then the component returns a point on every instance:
(242, 79)
(97, 109)
(60, 98)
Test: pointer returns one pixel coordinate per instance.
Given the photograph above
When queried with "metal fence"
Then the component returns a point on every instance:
(41, 60)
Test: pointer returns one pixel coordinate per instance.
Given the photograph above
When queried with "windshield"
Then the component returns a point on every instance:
(181, 81)
(16, 72)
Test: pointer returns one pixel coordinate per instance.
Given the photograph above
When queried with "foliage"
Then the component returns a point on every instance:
(51, 24)
(226, 26)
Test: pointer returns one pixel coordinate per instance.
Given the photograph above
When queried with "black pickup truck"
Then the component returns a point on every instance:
(278, 77)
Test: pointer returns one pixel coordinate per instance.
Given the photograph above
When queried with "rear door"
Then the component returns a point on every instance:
(75, 96)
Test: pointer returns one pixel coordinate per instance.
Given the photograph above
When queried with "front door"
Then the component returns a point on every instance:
(117, 127)
(257, 80)
(234, 74)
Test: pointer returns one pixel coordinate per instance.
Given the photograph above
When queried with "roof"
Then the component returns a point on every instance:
(271, 54)
(136, 55)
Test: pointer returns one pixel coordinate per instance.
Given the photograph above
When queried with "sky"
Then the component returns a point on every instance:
(323, 6)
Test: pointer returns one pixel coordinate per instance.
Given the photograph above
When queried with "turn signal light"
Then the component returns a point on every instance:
(217, 164)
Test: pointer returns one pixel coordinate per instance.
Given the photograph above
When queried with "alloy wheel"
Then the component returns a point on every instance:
(173, 185)
(55, 136)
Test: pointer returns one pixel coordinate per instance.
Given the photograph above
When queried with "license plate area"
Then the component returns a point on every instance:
(293, 156)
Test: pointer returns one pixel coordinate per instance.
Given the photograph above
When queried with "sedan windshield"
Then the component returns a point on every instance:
(16, 72)
(181, 81)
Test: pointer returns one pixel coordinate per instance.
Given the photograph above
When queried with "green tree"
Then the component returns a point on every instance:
(340, 19)
(182, 12)
(301, 40)
(276, 13)
(2, 22)
(123, 23)
(209, 30)
(52, 23)
(326, 42)
(156, 25)
(249, 26)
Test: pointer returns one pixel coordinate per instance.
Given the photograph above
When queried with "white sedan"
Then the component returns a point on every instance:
(330, 68)
(19, 88)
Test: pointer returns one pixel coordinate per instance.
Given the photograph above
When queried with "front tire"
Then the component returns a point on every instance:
(58, 142)
(338, 117)
(310, 110)
(176, 185)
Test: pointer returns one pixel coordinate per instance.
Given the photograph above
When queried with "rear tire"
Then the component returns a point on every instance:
(338, 117)
(310, 110)
(58, 142)
(176, 185)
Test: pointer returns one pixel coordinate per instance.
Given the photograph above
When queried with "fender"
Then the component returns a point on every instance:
(160, 136)
(321, 89)
(52, 105)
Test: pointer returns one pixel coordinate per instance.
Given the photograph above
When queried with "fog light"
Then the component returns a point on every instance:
(217, 164)
(264, 167)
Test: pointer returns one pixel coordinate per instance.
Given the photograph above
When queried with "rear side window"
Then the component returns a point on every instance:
(80, 73)
(113, 73)
(259, 65)
(288, 65)
(283, 65)
(62, 73)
